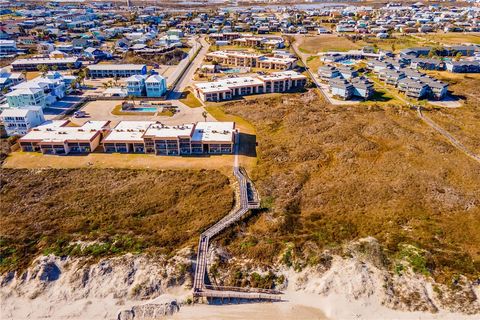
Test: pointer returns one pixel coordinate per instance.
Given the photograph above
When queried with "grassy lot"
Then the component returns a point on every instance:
(462, 122)
(43, 211)
(454, 38)
(218, 112)
(328, 175)
(397, 43)
(313, 62)
(323, 43)
(32, 75)
(189, 99)
(33, 160)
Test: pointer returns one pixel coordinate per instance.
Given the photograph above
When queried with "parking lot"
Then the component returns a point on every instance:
(102, 110)
(61, 107)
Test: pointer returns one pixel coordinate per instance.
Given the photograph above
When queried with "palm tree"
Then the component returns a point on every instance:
(43, 69)
(70, 67)
(73, 84)
(204, 115)
(132, 97)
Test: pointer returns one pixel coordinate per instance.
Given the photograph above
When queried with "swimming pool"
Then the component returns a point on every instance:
(348, 62)
(232, 70)
(147, 109)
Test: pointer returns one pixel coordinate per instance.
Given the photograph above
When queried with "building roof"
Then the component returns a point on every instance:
(116, 67)
(45, 60)
(160, 130)
(214, 132)
(59, 132)
(128, 131)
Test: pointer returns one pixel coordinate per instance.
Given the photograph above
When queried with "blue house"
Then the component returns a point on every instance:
(136, 85)
(155, 86)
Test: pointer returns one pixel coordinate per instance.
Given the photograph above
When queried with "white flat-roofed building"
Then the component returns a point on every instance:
(18, 121)
(116, 70)
(56, 137)
(172, 140)
(127, 136)
(229, 88)
(31, 64)
(169, 140)
(215, 137)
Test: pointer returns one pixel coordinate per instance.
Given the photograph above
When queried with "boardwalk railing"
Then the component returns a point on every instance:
(248, 200)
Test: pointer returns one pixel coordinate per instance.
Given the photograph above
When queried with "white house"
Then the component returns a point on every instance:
(26, 97)
(18, 121)
(136, 85)
(41, 91)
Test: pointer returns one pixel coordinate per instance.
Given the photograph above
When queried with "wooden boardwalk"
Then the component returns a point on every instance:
(248, 200)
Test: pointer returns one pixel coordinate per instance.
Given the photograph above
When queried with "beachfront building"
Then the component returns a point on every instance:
(116, 70)
(18, 121)
(251, 60)
(31, 64)
(230, 88)
(160, 139)
(58, 137)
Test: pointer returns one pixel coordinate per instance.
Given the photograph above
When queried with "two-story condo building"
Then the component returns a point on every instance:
(116, 70)
(160, 139)
(57, 137)
(229, 88)
(31, 64)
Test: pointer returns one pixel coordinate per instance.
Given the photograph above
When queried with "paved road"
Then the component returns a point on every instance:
(186, 78)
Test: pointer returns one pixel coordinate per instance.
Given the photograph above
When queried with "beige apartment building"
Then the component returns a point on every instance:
(252, 60)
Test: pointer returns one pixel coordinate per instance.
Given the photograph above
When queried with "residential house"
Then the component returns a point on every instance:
(341, 88)
(160, 139)
(412, 88)
(8, 48)
(463, 66)
(362, 88)
(155, 86)
(18, 121)
(136, 85)
(326, 72)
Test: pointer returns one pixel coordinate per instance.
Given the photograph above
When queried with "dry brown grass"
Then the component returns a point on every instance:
(326, 43)
(462, 122)
(126, 210)
(328, 175)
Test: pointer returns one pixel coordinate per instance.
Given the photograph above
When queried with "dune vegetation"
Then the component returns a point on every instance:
(328, 175)
(103, 212)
